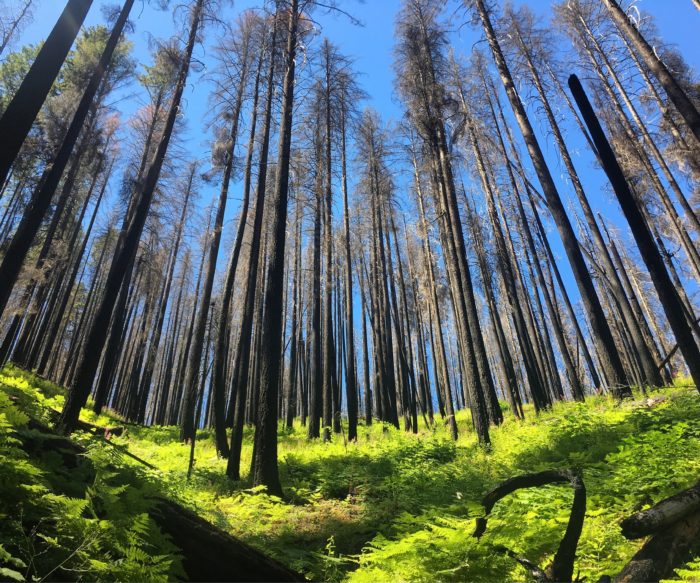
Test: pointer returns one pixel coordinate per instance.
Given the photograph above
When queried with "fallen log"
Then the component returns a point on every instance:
(663, 552)
(209, 553)
(38, 438)
(105, 433)
(663, 514)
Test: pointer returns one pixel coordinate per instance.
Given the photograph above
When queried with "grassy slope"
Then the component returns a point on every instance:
(395, 506)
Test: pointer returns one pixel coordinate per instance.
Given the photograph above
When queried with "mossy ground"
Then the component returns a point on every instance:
(400, 507)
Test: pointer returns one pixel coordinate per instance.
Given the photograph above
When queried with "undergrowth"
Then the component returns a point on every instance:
(65, 522)
(391, 507)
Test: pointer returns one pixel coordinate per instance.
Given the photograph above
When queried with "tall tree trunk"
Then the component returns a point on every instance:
(175, 405)
(292, 388)
(511, 380)
(439, 357)
(264, 463)
(316, 363)
(84, 378)
(651, 373)
(365, 353)
(69, 234)
(652, 257)
(537, 388)
(602, 336)
(395, 316)
(221, 347)
(674, 91)
(329, 348)
(239, 390)
(175, 324)
(423, 370)
(549, 256)
(351, 371)
(145, 384)
(650, 337)
(188, 428)
(91, 293)
(636, 144)
(407, 346)
(58, 314)
(18, 117)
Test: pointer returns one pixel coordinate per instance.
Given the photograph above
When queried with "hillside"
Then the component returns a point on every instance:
(393, 506)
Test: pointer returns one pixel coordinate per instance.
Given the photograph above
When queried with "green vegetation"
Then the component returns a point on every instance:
(393, 506)
(87, 522)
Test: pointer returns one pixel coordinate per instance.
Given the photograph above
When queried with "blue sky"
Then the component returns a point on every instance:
(371, 46)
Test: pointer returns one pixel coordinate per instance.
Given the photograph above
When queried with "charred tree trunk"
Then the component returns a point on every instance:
(674, 91)
(188, 428)
(78, 394)
(668, 295)
(351, 370)
(602, 336)
(264, 463)
(18, 117)
(239, 390)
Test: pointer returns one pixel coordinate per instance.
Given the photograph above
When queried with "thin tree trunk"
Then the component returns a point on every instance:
(442, 377)
(602, 336)
(84, 378)
(7, 38)
(145, 384)
(651, 374)
(242, 364)
(351, 371)
(365, 353)
(633, 139)
(668, 81)
(188, 428)
(20, 114)
(61, 311)
(652, 258)
(292, 381)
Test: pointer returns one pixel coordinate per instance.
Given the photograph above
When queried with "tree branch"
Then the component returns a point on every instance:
(562, 567)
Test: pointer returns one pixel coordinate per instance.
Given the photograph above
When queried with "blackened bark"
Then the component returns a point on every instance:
(562, 567)
(292, 388)
(187, 431)
(77, 397)
(18, 117)
(59, 313)
(602, 336)
(17, 114)
(264, 463)
(650, 373)
(241, 368)
(365, 353)
(674, 91)
(670, 300)
(316, 353)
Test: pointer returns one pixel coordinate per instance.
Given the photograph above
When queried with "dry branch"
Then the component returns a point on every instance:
(562, 567)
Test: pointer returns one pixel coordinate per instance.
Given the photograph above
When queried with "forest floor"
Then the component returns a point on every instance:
(392, 507)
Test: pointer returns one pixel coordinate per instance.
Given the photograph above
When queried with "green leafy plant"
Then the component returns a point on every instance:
(392, 506)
